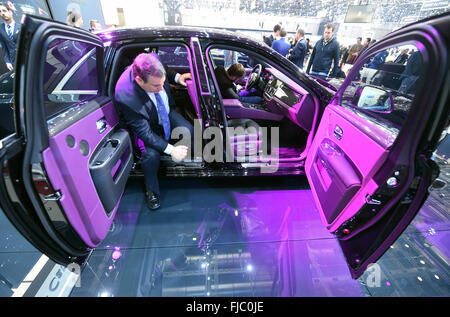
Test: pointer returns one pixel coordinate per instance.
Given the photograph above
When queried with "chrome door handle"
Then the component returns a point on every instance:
(53, 197)
(371, 201)
(101, 125)
(338, 132)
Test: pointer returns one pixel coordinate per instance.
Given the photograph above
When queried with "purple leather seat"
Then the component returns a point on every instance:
(245, 137)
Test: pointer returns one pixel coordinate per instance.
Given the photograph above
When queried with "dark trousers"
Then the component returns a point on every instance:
(252, 96)
(151, 158)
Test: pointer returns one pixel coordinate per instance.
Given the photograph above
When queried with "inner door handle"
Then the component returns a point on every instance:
(338, 132)
(101, 125)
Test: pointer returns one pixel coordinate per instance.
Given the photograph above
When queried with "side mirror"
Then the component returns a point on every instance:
(375, 99)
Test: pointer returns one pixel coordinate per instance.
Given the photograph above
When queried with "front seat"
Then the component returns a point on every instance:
(245, 137)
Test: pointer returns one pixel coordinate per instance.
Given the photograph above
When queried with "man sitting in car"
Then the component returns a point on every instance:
(144, 98)
(228, 89)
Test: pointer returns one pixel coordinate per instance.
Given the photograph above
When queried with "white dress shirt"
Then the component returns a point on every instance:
(165, 100)
(12, 24)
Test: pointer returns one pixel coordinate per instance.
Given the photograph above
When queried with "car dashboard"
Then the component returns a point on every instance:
(284, 96)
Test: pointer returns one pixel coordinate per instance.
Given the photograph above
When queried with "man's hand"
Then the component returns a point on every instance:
(183, 77)
(9, 66)
(179, 153)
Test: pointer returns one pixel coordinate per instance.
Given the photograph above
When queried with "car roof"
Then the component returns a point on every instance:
(177, 32)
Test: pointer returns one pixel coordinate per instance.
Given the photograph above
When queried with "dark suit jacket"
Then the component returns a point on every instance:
(401, 59)
(8, 46)
(227, 88)
(269, 40)
(298, 53)
(139, 112)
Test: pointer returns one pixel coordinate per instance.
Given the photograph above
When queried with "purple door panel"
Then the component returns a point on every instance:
(337, 179)
(342, 160)
(68, 171)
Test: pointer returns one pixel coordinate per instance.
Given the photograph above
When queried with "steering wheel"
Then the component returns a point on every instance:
(253, 78)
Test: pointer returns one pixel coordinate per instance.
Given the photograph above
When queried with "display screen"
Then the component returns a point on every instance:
(360, 14)
(287, 96)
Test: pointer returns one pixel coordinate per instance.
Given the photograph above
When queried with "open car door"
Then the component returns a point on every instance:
(370, 164)
(65, 168)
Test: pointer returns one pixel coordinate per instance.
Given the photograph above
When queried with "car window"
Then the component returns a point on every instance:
(85, 76)
(173, 56)
(226, 58)
(385, 85)
(70, 75)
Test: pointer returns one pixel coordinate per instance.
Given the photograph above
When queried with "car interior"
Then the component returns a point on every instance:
(285, 104)
(175, 57)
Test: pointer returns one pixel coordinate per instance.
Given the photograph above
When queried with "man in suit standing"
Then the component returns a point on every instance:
(9, 33)
(143, 97)
(281, 45)
(298, 53)
(276, 33)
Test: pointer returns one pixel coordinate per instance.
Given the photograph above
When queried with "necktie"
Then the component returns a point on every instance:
(163, 115)
(10, 33)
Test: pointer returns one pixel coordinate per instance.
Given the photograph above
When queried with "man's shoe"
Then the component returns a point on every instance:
(152, 200)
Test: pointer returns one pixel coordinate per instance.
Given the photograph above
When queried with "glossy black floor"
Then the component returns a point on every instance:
(17, 257)
(255, 237)
(242, 237)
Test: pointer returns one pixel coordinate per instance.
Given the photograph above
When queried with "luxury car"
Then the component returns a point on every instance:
(365, 147)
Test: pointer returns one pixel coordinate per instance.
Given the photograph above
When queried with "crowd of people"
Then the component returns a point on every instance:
(297, 51)
(318, 59)
(327, 57)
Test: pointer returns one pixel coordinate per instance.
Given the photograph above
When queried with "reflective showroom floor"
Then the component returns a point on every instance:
(243, 237)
